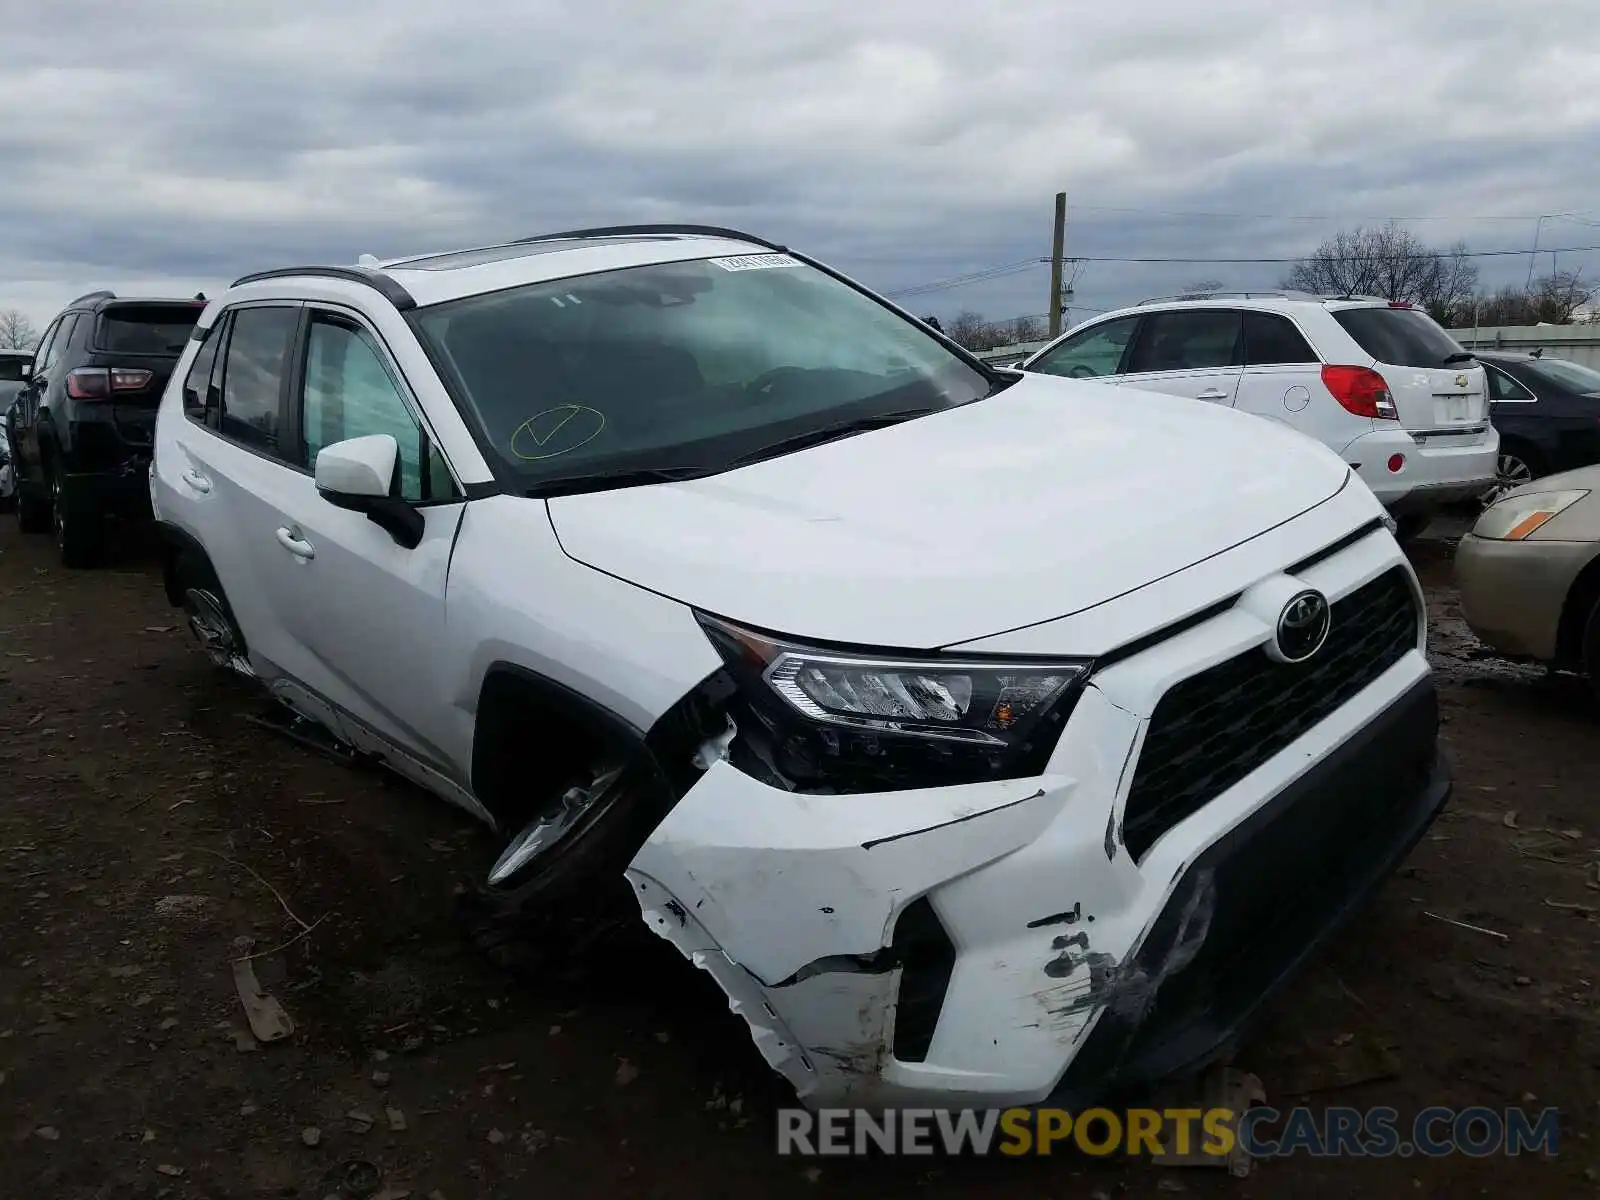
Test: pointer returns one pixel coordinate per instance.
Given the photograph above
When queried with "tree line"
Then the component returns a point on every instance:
(1387, 261)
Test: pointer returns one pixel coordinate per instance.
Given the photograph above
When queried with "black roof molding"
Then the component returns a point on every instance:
(604, 231)
(379, 282)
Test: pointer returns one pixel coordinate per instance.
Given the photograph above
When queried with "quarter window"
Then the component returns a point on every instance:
(1505, 390)
(201, 394)
(1090, 354)
(1270, 339)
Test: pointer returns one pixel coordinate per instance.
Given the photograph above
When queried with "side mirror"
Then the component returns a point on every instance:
(1016, 366)
(358, 474)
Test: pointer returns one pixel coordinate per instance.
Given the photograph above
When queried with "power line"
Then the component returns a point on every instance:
(1349, 257)
(1154, 212)
(997, 272)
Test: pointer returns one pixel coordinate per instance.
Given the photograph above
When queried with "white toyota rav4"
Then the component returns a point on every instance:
(987, 737)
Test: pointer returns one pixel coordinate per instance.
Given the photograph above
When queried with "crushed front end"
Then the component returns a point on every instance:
(1176, 826)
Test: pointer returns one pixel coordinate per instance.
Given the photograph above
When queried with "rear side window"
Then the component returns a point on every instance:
(1398, 337)
(153, 329)
(1505, 390)
(253, 375)
(1270, 339)
(1196, 340)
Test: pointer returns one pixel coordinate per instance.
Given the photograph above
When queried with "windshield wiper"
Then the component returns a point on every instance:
(597, 481)
(1451, 359)
(828, 433)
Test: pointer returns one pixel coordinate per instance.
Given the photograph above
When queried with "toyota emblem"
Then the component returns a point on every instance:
(1303, 626)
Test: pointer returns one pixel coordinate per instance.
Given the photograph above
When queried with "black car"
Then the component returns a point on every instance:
(81, 428)
(1547, 411)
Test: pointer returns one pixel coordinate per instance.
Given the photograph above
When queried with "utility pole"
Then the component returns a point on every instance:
(1057, 249)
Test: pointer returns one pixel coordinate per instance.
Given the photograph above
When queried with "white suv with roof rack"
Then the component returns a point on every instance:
(1380, 383)
(980, 755)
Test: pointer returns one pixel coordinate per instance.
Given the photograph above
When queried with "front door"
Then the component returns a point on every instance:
(1188, 352)
(366, 615)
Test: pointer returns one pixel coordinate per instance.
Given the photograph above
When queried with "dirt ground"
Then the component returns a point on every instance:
(146, 823)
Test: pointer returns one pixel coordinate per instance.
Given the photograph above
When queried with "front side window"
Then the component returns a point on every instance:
(252, 379)
(41, 354)
(695, 365)
(1093, 353)
(58, 343)
(349, 393)
(1195, 340)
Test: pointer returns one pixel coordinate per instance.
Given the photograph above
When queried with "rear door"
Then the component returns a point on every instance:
(139, 343)
(230, 463)
(1194, 352)
(1438, 388)
(1281, 377)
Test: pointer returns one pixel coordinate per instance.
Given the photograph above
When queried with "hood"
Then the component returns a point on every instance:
(1049, 498)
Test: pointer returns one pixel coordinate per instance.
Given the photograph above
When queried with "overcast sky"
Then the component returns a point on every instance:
(169, 145)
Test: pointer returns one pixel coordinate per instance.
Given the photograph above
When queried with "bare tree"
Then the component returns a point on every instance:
(1391, 262)
(1553, 300)
(1025, 329)
(976, 332)
(16, 331)
(1450, 295)
(1556, 297)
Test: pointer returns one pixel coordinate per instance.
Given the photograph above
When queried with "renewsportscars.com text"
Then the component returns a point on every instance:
(1260, 1132)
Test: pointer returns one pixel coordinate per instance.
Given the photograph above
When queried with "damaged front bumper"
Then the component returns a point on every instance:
(999, 943)
(1054, 955)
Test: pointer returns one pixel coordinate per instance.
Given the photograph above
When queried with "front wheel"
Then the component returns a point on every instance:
(1591, 648)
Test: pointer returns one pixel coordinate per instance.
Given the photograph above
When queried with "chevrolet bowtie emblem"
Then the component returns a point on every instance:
(1461, 381)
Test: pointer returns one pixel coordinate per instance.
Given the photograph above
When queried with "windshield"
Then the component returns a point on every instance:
(1400, 337)
(1569, 376)
(685, 365)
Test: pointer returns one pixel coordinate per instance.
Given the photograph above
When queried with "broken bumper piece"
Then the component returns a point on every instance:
(995, 944)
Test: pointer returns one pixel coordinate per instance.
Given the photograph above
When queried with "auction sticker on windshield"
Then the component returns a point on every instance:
(755, 262)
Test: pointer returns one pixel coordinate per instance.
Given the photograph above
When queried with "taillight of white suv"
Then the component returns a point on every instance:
(1360, 390)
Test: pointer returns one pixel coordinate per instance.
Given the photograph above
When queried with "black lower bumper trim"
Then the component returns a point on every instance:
(1259, 902)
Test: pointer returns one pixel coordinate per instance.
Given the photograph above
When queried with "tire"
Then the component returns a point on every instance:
(79, 529)
(211, 621)
(1517, 464)
(1591, 648)
(33, 511)
(574, 891)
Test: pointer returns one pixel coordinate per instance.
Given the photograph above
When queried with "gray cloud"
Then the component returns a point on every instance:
(179, 143)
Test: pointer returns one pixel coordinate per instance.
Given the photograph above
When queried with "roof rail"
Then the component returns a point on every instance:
(102, 294)
(666, 230)
(1273, 294)
(382, 284)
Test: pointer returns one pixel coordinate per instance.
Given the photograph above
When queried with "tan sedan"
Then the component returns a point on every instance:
(1529, 572)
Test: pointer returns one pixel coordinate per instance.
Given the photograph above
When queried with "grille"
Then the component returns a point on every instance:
(1211, 730)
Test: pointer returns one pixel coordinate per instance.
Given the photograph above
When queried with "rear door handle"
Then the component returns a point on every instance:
(296, 545)
(197, 481)
(1212, 394)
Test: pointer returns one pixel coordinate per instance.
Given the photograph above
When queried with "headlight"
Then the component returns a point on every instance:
(918, 719)
(1514, 518)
